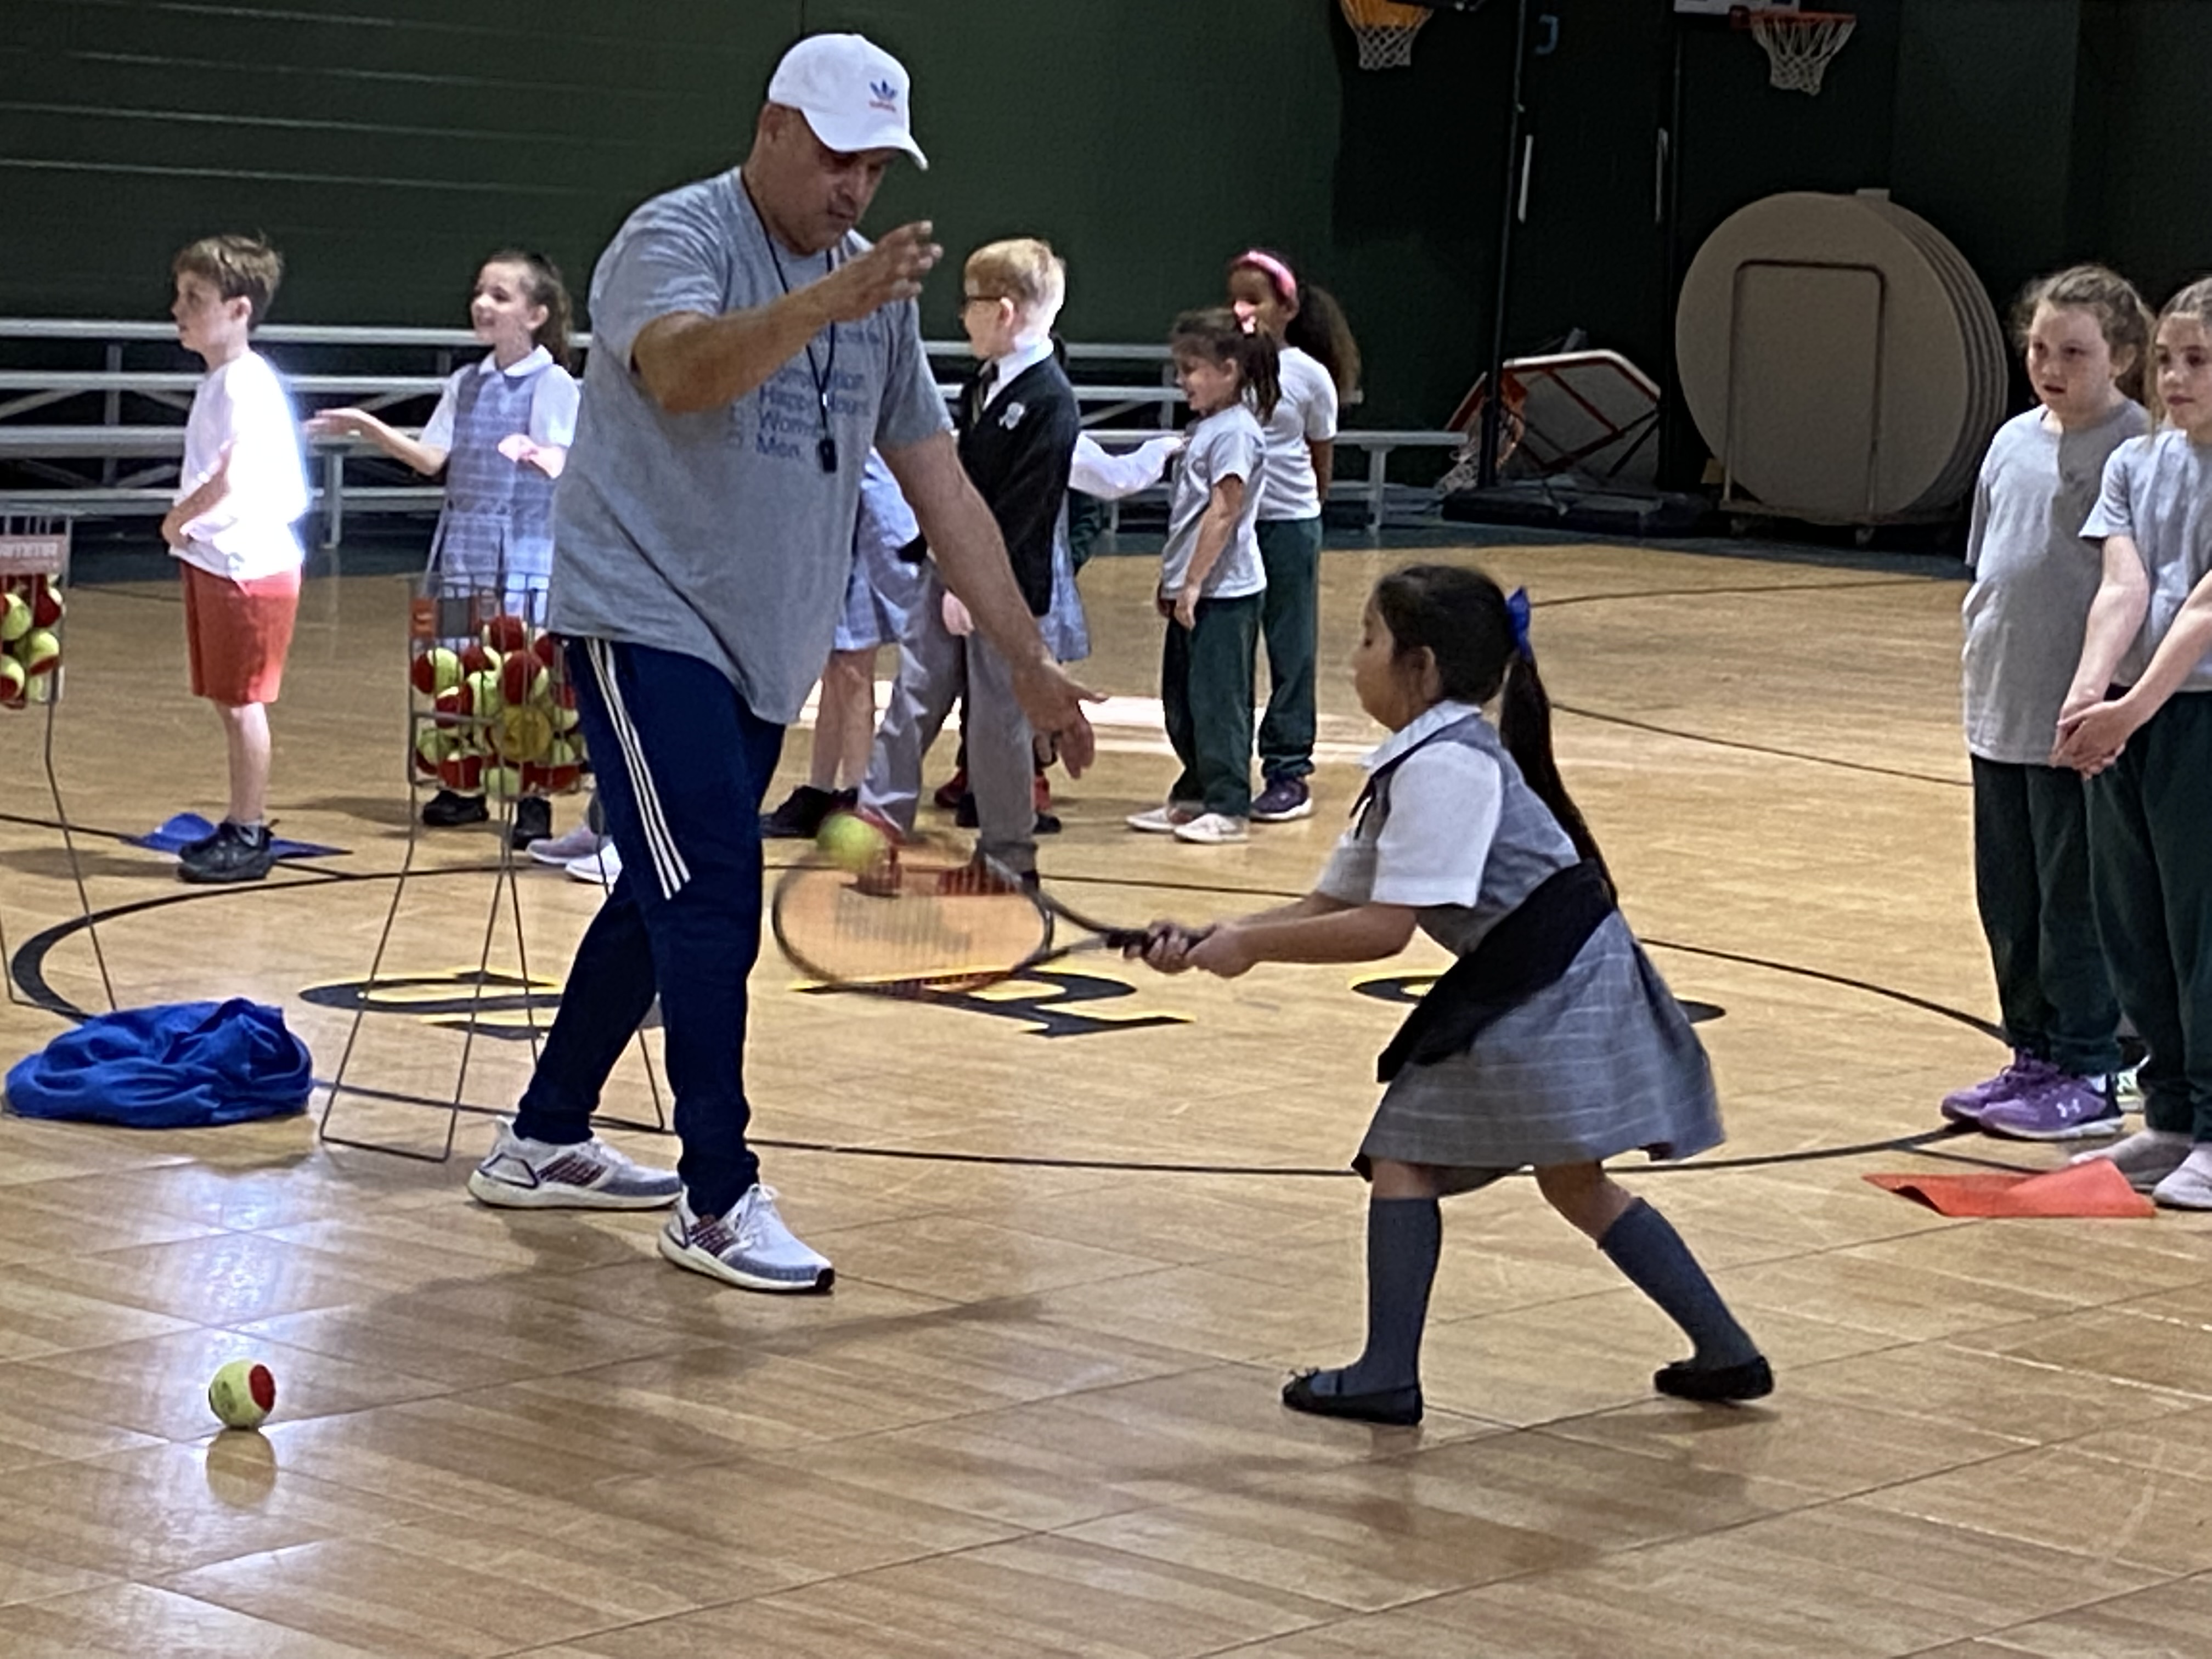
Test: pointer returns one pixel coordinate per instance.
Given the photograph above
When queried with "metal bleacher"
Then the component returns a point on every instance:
(94, 432)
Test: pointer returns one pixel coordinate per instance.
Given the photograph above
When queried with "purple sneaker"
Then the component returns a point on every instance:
(2024, 1076)
(2066, 1108)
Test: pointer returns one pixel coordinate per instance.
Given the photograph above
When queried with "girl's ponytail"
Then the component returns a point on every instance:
(1524, 725)
(1220, 335)
(1320, 329)
(1262, 360)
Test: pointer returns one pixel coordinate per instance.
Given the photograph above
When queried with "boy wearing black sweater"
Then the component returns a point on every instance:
(1018, 424)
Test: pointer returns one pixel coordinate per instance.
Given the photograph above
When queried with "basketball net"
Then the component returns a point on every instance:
(1799, 45)
(1384, 30)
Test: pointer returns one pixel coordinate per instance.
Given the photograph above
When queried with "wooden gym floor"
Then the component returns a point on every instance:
(1082, 1229)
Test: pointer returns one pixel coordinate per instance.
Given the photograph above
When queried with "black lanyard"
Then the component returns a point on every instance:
(825, 448)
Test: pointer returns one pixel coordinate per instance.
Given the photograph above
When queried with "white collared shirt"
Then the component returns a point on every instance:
(552, 404)
(1007, 369)
(1445, 807)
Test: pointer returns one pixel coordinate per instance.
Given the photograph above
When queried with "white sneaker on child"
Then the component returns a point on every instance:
(2146, 1157)
(581, 843)
(1213, 829)
(2190, 1187)
(601, 868)
(1163, 820)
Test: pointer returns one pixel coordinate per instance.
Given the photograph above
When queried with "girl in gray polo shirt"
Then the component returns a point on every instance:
(2137, 722)
(2085, 333)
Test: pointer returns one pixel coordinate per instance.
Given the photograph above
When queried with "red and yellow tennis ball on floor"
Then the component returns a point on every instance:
(852, 842)
(242, 1394)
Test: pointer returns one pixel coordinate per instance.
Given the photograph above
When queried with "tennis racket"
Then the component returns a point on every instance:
(921, 921)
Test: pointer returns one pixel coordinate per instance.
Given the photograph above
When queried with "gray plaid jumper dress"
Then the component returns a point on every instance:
(1601, 1062)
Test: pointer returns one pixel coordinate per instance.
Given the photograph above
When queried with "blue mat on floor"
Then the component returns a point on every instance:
(187, 827)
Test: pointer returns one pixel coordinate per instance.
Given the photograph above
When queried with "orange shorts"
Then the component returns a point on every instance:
(237, 633)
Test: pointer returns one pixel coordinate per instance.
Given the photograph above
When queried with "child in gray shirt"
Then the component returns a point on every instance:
(2085, 334)
(1211, 580)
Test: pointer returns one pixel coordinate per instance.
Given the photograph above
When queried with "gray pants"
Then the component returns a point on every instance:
(935, 667)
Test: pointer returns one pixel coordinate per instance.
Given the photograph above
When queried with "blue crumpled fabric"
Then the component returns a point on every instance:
(181, 1065)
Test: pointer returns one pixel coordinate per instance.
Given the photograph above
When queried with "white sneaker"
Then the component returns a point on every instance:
(590, 1175)
(750, 1247)
(2190, 1186)
(1164, 820)
(601, 868)
(579, 844)
(1213, 829)
(2146, 1157)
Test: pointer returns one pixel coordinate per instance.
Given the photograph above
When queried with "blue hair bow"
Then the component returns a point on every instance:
(1516, 608)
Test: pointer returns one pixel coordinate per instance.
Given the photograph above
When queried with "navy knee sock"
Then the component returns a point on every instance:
(1654, 1258)
(1404, 1236)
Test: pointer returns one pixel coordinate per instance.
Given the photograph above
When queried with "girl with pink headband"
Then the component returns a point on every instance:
(1319, 364)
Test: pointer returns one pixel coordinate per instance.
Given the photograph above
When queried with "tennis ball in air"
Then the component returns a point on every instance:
(37, 651)
(242, 1394)
(850, 841)
(15, 617)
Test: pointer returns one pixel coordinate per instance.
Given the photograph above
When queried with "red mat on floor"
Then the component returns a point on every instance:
(2096, 1188)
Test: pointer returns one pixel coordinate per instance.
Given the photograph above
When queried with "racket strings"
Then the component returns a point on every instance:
(916, 926)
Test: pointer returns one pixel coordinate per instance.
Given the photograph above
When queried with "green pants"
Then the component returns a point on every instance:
(1289, 618)
(1206, 694)
(2031, 882)
(2150, 876)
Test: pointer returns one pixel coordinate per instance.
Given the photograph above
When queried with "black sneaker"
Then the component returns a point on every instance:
(799, 817)
(1283, 800)
(533, 821)
(236, 854)
(447, 811)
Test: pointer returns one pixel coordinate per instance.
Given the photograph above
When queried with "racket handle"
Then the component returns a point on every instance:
(1128, 939)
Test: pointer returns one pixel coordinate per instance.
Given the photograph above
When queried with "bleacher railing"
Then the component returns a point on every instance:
(109, 441)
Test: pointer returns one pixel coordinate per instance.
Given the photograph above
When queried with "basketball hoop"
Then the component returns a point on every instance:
(1799, 43)
(1384, 30)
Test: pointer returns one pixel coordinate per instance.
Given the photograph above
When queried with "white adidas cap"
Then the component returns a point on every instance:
(853, 93)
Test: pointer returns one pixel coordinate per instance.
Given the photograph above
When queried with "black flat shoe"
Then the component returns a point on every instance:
(1396, 1408)
(1722, 1384)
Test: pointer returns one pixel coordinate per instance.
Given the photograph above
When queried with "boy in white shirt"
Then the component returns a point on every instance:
(241, 489)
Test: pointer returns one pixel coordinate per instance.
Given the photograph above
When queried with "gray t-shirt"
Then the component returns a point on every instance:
(2033, 578)
(718, 534)
(2158, 490)
(1227, 444)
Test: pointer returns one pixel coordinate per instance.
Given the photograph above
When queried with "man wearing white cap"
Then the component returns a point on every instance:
(749, 348)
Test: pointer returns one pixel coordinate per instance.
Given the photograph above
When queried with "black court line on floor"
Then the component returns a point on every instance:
(27, 970)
